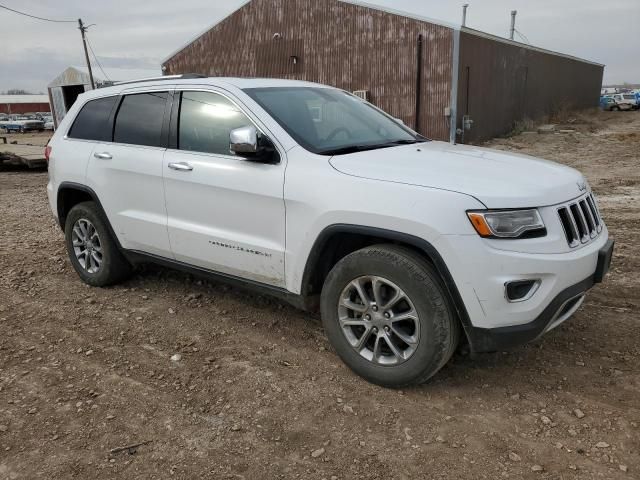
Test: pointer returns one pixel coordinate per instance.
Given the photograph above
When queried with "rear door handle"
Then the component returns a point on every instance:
(103, 156)
(181, 167)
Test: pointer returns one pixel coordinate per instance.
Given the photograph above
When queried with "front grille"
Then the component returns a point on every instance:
(581, 220)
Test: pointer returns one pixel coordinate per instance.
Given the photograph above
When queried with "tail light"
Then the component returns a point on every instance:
(47, 153)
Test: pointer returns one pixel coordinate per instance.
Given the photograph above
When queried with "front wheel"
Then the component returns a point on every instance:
(387, 315)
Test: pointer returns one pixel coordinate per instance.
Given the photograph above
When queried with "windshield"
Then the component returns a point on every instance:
(331, 122)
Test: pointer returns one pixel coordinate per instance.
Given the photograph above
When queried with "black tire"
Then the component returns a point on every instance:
(114, 266)
(438, 324)
(615, 109)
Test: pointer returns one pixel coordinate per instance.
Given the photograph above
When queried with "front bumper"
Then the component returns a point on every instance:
(481, 271)
(561, 308)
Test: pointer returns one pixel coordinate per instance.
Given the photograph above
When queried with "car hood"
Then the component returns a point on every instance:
(496, 178)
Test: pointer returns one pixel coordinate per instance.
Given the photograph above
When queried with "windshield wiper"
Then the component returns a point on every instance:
(363, 148)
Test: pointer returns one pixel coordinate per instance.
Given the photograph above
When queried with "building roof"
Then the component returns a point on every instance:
(4, 99)
(402, 14)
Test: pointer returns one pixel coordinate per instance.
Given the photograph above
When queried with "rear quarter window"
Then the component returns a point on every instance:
(92, 123)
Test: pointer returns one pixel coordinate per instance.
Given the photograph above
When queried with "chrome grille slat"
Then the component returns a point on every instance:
(580, 220)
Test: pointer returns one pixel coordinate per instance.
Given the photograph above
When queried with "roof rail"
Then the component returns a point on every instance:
(184, 76)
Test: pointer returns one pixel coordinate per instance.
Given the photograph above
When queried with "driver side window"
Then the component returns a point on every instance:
(205, 122)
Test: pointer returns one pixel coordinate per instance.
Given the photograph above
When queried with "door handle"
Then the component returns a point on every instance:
(181, 167)
(103, 156)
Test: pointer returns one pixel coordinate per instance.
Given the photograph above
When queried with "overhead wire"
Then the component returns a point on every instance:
(96, 59)
(36, 17)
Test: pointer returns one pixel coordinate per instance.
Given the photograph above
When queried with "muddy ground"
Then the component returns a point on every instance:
(258, 393)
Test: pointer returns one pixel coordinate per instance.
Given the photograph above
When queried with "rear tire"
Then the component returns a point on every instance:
(93, 252)
(398, 351)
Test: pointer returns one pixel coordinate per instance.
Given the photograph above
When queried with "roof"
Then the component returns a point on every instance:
(4, 99)
(80, 75)
(402, 14)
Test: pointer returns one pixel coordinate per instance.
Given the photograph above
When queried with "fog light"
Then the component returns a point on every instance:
(520, 290)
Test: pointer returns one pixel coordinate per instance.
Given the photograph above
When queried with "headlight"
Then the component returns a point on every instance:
(508, 223)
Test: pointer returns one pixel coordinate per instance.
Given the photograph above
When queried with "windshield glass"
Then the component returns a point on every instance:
(331, 122)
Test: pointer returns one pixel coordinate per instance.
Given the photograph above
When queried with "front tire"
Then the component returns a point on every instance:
(387, 315)
(93, 252)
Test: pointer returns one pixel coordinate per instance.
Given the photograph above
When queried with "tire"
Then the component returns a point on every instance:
(107, 265)
(615, 109)
(434, 332)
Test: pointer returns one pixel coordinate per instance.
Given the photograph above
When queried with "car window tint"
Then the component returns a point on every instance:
(92, 123)
(139, 119)
(206, 120)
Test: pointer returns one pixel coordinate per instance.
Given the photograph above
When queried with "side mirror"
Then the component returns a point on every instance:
(399, 121)
(249, 143)
(244, 140)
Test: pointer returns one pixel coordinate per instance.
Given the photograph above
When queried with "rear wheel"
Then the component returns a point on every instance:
(92, 250)
(386, 314)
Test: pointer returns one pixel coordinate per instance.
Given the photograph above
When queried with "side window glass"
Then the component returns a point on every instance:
(206, 120)
(139, 119)
(92, 123)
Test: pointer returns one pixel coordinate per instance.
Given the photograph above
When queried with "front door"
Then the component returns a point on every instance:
(225, 213)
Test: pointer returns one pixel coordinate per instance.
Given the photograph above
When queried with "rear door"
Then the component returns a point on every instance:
(126, 172)
(225, 213)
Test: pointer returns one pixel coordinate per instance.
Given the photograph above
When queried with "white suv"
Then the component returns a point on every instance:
(408, 246)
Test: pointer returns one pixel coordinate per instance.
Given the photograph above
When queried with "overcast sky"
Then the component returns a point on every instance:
(137, 34)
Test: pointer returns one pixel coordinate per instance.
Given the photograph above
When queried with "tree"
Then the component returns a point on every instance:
(17, 91)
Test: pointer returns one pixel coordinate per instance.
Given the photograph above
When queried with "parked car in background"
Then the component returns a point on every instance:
(22, 124)
(626, 101)
(611, 103)
(48, 122)
(406, 245)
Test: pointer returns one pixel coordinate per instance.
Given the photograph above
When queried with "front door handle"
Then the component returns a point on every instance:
(103, 156)
(181, 167)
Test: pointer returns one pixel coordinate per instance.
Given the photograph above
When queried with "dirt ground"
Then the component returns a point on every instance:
(258, 393)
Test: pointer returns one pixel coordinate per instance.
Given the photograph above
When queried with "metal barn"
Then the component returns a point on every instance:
(420, 70)
(18, 104)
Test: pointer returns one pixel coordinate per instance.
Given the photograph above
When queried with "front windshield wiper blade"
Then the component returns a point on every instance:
(364, 148)
(355, 149)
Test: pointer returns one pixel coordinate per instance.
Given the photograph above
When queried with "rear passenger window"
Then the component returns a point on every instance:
(206, 120)
(92, 123)
(139, 119)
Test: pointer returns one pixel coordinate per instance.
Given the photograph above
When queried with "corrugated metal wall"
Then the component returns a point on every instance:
(500, 83)
(335, 43)
(18, 108)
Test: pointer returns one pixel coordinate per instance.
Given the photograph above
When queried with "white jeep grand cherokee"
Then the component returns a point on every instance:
(408, 246)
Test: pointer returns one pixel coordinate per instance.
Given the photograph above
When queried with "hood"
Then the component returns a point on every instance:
(496, 178)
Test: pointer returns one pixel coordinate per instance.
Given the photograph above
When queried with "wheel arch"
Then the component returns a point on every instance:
(329, 248)
(70, 194)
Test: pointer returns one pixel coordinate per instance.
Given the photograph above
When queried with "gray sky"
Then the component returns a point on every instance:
(136, 34)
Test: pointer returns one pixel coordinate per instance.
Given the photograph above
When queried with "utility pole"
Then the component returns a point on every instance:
(83, 30)
(512, 32)
(464, 14)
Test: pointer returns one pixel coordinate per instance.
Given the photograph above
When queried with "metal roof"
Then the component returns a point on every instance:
(4, 99)
(401, 13)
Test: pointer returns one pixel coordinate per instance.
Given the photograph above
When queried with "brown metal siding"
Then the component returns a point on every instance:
(340, 44)
(507, 83)
(18, 108)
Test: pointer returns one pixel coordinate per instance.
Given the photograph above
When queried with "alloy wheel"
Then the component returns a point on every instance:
(379, 320)
(87, 245)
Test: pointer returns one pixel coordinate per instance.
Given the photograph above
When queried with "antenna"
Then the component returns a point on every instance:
(464, 14)
(512, 31)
